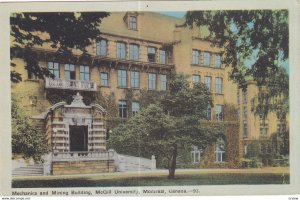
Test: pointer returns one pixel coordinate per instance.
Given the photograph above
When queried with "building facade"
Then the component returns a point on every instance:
(137, 50)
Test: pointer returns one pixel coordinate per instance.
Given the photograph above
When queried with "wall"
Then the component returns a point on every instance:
(83, 167)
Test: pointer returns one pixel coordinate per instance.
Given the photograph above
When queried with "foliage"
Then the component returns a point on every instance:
(170, 124)
(25, 139)
(280, 142)
(272, 151)
(246, 33)
(148, 97)
(63, 31)
(255, 44)
(230, 112)
(261, 151)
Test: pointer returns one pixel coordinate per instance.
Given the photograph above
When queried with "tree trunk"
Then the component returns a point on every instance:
(172, 168)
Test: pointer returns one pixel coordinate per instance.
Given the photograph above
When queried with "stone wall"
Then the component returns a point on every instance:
(83, 167)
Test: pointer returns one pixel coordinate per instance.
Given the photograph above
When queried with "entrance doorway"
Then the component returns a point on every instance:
(78, 138)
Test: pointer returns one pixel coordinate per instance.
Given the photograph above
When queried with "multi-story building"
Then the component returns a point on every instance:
(137, 50)
(254, 123)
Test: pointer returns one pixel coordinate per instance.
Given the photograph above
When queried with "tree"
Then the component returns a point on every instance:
(63, 31)
(26, 140)
(172, 123)
(255, 44)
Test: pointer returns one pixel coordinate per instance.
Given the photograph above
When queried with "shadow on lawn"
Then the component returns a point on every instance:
(199, 179)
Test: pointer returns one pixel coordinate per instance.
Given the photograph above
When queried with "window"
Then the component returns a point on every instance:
(133, 52)
(196, 79)
(152, 81)
(163, 82)
(135, 79)
(245, 96)
(196, 154)
(122, 78)
(245, 149)
(133, 23)
(195, 57)
(84, 73)
(245, 113)
(208, 82)
(220, 150)
(104, 79)
(151, 54)
(208, 112)
(121, 50)
(101, 49)
(263, 127)
(206, 58)
(123, 109)
(162, 56)
(219, 85)
(135, 108)
(219, 112)
(218, 61)
(70, 72)
(281, 126)
(245, 129)
(53, 67)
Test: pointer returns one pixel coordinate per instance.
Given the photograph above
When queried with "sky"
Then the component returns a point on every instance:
(178, 14)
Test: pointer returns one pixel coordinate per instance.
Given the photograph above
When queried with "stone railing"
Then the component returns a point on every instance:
(70, 84)
(131, 163)
(82, 156)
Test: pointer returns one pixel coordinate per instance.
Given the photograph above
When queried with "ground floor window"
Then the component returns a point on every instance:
(220, 150)
(196, 154)
(135, 108)
(123, 109)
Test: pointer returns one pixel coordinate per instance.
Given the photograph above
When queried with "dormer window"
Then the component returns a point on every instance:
(133, 23)
(131, 20)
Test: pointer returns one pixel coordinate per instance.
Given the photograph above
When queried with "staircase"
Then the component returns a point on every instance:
(30, 170)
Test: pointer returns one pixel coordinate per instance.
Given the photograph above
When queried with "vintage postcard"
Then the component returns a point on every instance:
(146, 98)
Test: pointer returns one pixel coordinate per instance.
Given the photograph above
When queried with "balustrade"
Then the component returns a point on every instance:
(70, 84)
(83, 155)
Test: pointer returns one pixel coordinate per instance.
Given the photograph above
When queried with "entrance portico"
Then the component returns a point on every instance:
(77, 135)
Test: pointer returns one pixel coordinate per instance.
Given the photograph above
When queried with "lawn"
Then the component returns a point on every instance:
(155, 179)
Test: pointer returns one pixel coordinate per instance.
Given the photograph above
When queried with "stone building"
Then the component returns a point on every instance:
(137, 51)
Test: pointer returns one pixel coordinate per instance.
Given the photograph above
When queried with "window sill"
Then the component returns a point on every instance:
(104, 86)
(120, 87)
(135, 88)
(131, 29)
(221, 94)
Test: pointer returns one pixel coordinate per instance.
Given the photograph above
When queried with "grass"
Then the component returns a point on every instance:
(156, 179)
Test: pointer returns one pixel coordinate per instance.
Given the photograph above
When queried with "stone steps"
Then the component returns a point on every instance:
(30, 170)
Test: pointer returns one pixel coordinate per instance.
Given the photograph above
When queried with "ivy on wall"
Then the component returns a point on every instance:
(232, 140)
